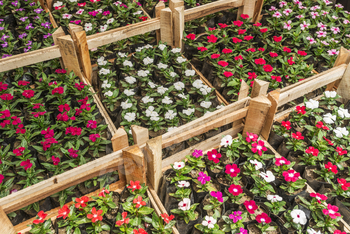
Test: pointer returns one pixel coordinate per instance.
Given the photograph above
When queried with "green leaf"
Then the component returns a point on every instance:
(145, 210)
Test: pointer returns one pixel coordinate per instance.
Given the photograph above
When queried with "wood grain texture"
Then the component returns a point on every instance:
(160, 6)
(120, 140)
(273, 97)
(243, 90)
(343, 58)
(247, 8)
(211, 8)
(257, 11)
(5, 224)
(344, 86)
(65, 180)
(175, 3)
(256, 116)
(179, 25)
(58, 33)
(118, 34)
(140, 134)
(166, 26)
(259, 88)
(83, 54)
(153, 154)
(134, 164)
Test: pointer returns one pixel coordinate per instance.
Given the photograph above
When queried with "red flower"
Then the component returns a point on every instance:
(16, 120)
(277, 39)
(331, 211)
(236, 40)
(338, 232)
(260, 61)
(344, 184)
(1, 176)
(4, 123)
(302, 53)
(28, 93)
(214, 156)
(263, 218)
(81, 4)
(26, 164)
(211, 29)
(245, 16)
(58, 90)
(319, 197)
(223, 63)
(3, 86)
(191, 36)
(227, 51)
(202, 49)
(331, 167)
(291, 175)
(95, 215)
(264, 30)
(297, 136)
(239, 57)
(20, 129)
(41, 218)
(138, 201)
(235, 190)
(341, 151)
(53, 83)
(258, 147)
(261, 49)
(251, 137)
(63, 212)
(286, 124)
(250, 206)
(320, 125)
(6, 96)
(58, 7)
(212, 38)
(250, 50)
(222, 25)
(290, 61)
(37, 114)
(140, 231)
(134, 185)
(273, 54)
(63, 107)
(5, 114)
(18, 151)
(248, 38)
(312, 150)
(286, 49)
(124, 220)
(228, 74)
(257, 24)
(79, 86)
(56, 160)
(74, 131)
(167, 218)
(329, 141)
(252, 75)
(94, 137)
(73, 153)
(60, 71)
(276, 78)
(241, 31)
(23, 83)
(92, 124)
(232, 170)
(282, 161)
(81, 202)
(143, 18)
(268, 68)
(37, 105)
(301, 110)
(215, 56)
(238, 23)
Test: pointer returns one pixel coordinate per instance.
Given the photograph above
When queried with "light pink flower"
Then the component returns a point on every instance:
(335, 30)
(273, 8)
(322, 26)
(311, 40)
(321, 34)
(327, 2)
(314, 14)
(315, 8)
(299, 16)
(282, 4)
(304, 25)
(288, 25)
(66, 16)
(277, 14)
(339, 5)
(325, 43)
(80, 11)
(346, 21)
(335, 17)
(287, 11)
(333, 52)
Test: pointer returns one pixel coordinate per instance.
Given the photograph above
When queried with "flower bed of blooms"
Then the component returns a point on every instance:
(96, 15)
(240, 187)
(319, 28)
(24, 26)
(109, 212)
(155, 87)
(48, 125)
(316, 137)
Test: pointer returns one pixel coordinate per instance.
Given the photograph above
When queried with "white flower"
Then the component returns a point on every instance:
(185, 204)
(258, 165)
(137, 13)
(162, 46)
(209, 222)
(143, 73)
(190, 72)
(197, 84)
(340, 132)
(103, 28)
(57, 4)
(343, 113)
(178, 165)
(147, 99)
(170, 114)
(129, 92)
(330, 94)
(130, 79)
(127, 63)
(181, 95)
(101, 61)
(183, 184)
(274, 198)
(162, 66)
(126, 105)
(311, 104)
(130, 117)
(205, 89)
(73, 0)
(189, 111)
(150, 110)
(298, 216)
(226, 140)
(181, 60)
(147, 60)
(167, 100)
(329, 118)
(205, 104)
(122, 55)
(104, 71)
(176, 50)
(105, 84)
(79, 12)
(171, 128)
(109, 21)
(173, 74)
(139, 49)
(154, 118)
(312, 231)
(88, 27)
(109, 93)
(268, 176)
(151, 84)
(161, 90)
(179, 86)
(148, 46)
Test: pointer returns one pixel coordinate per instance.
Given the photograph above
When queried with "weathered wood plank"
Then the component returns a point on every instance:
(344, 86)
(120, 140)
(134, 164)
(5, 224)
(153, 154)
(160, 6)
(179, 25)
(247, 8)
(257, 11)
(273, 97)
(343, 58)
(140, 134)
(166, 26)
(243, 90)
(259, 88)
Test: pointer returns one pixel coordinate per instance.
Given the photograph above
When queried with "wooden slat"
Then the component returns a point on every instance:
(160, 6)
(166, 26)
(140, 134)
(65, 180)
(273, 97)
(5, 224)
(243, 91)
(344, 86)
(179, 25)
(84, 55)
(207, 144)
(259, 88)
(247, 8)
(211, 8)
(257, 11)
(153, 154)
(343, 58)
(120, 140)
(118, 34)
(205, 127)
(134, 164)
(303, 87)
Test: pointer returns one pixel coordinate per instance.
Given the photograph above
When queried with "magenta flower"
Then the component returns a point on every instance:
(93, 137)
(74, 131)
(56, 160)
(214, 156)
(73, 153)
(236, 216)
(203, 178)
(258, 147)
(48, 133)
(251, 137)
(232, 170)
(92, 124)
(197, 153)
(26, 164)
(217, 195)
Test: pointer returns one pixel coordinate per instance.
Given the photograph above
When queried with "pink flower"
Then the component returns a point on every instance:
(263, 218)
(259, 147)
(251, 136)
(291, 175)
(319, 197)
(282, 161)
(73, 153)
(235, 190)
(56, 160)
(58, 90)
(203, 178)
(250, 206)
(331, 211)
(197, 153)
(48, 133)
(232, 170)
(74, 131)
(1, 178)
(214, 156)
(331, 167)
(19, 151)
(217, 195)
(28, 93)
(312, 150)
(92, 124)
(26, 164)
(333, 52)
(64, 107)
(93, 137)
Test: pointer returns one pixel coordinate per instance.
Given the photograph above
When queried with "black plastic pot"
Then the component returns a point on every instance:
(315, 184)
(186, 228)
